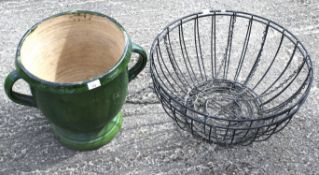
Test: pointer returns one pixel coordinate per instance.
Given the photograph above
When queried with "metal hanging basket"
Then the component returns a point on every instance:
(230, 77)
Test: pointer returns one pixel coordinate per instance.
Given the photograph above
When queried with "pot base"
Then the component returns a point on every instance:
(90, 141)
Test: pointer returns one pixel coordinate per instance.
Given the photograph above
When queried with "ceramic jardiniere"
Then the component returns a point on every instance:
(76, 64)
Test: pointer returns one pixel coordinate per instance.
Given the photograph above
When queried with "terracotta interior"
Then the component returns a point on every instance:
(72, 48)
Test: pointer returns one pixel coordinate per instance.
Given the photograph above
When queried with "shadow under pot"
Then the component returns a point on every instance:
(76, 64)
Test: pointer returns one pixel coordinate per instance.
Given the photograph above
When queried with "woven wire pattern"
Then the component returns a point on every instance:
(230, 77)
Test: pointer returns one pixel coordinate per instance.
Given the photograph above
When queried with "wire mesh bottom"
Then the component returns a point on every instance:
(226, 99)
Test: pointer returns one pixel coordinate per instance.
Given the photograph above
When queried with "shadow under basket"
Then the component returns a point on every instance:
(230, 77)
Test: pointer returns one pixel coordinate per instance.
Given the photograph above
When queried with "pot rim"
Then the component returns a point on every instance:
(103, 77)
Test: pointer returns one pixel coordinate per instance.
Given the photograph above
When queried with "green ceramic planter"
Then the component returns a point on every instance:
(76, 64)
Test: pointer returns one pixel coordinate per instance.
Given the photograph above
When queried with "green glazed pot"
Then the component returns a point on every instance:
(76, 64)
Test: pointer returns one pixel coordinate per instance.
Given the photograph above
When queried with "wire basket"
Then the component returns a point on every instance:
(230, 77)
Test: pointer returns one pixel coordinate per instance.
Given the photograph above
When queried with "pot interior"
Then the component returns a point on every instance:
(72, 48)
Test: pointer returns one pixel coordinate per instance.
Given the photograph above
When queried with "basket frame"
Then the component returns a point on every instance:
(176, 109)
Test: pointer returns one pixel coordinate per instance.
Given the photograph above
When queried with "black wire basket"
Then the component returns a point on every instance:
(230, 77)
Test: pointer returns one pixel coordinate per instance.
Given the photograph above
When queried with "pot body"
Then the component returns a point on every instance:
(87, 111)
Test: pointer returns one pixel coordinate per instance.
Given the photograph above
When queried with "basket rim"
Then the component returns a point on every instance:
(172, 25)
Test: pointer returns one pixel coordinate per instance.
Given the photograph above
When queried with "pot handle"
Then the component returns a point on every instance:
(15, 96)
(139, 66)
